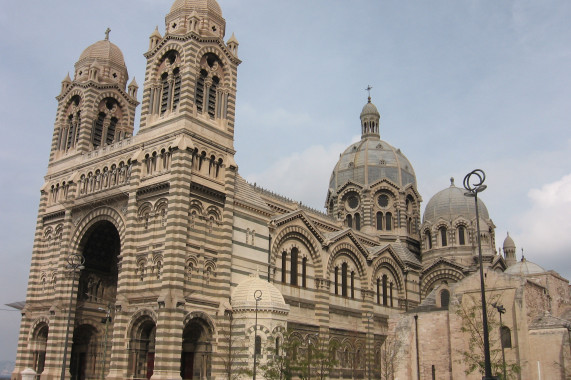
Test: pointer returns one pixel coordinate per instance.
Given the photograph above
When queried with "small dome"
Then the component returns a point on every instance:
(197, 5)
(509, 243)
(103, 51)
(370, 109)
(451, 203)
(271, 297)
(105, 56)
(524, 268)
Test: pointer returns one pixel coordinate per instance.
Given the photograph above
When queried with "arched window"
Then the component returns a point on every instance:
(344, 279)
(277, 348)
(378, 291)
(284, 263)
(506, 337)
(357, 221)
(461, 235)
(379, 221)
(409, 225)
(389, 221)
(391, 294)
(428, 236)
(258, 346)
(293, 270)
(385, 295)
(443, 239)
(444, 298)
(212, 97)
(352, 284)
(304, 272)
(110, 137)
(349, 221)
(336, 280)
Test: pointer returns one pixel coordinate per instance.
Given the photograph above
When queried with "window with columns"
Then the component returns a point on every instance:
(166, 97)
(105, 128)
(69, 131)
(344, 280)
(294, 270)
(208, 96)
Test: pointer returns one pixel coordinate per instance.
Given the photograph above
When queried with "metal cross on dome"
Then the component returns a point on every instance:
(107, 34)
(368, 89)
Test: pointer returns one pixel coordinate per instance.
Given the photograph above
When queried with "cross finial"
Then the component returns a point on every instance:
(368, 89)
(107, 34)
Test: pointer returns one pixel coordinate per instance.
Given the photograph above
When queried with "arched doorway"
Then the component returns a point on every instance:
(96, 295)
(195, 362)
(142, 349)
(38, 346)
(84, 353)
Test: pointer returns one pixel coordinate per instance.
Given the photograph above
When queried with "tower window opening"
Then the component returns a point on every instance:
(212, 97)
(98, 130)
(199, 97)
(428, 239)
(111, 131)
(164, 93)
(177, 85)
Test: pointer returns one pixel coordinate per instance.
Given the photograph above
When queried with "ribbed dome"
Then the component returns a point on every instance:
(107, 58)
(104, 52)
(370, 109)
(197, 5)
(370, 160)
(243, 296)
(451, 203)
(525, 267)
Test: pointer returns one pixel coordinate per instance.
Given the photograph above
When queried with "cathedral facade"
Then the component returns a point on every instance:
(154, 258)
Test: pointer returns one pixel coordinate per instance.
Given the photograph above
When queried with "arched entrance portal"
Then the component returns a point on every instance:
(142, 349)
(96, 294)
(196, 354)
(38, 346)
(84, 353)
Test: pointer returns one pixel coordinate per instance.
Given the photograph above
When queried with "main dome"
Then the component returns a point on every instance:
(371, 159)
(451, 203)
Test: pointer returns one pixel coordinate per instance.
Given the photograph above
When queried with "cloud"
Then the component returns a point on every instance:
(545, 226)
(302, 176)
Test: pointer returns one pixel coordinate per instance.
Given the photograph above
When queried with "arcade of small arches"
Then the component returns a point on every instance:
(442, 236)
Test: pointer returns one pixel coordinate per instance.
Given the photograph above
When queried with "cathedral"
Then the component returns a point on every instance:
(154, 259)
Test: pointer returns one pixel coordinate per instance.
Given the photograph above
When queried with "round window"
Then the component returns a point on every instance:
(353, 201)
(383, 200)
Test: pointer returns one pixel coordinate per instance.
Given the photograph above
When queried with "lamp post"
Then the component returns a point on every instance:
(105, 320)
(501, 310)
(474, 184)
(74, 264)
(257, 297)
(370, 316)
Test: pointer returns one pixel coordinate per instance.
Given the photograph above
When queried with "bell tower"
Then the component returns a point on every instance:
(190, 77)
(96, 108)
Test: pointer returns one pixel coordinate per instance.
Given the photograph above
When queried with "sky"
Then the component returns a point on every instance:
(459, 85)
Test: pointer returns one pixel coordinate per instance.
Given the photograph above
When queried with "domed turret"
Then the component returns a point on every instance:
(199, 16)
(271, 299)
(509, 251)
(102, 62)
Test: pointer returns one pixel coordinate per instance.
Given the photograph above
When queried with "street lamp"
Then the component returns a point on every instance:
(105, 320)
(370, 316)
(257, 297)
(474, 184)
(501, 310)
(74, 264)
